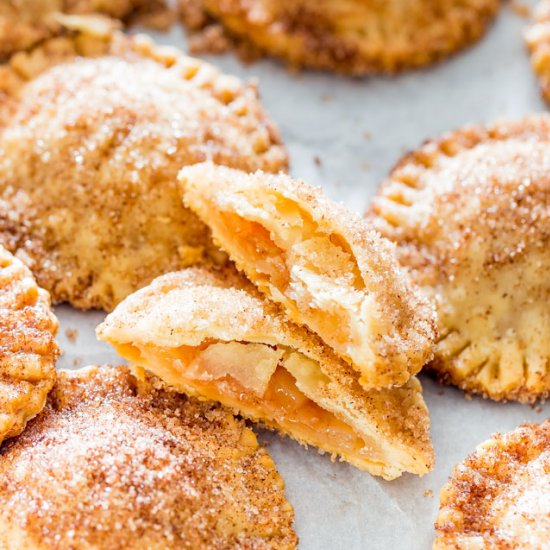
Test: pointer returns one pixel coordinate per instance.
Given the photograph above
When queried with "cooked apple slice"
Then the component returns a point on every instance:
(212, 335)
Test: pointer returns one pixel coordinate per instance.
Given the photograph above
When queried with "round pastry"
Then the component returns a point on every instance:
(28, 350)
(93, 130)
(499, 496)
(347, 36)
(537, 38)
(117, 462)
(470, 214)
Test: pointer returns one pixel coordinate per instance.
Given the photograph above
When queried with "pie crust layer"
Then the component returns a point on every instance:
(119, 462)
(354, 37)
(322, 263)
(28, 350)
(24, 23)
(498, 498)
(94, 127)
(470, 213)
(212, 335)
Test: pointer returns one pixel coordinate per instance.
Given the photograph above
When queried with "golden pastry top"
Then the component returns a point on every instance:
(114, 460)
(499, 497)
(28, 350)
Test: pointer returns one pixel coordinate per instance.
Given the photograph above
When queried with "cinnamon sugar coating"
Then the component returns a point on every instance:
(322, 263)
(116, 462)
(354, 37)
(537, 39)
(470, 213)
(24, 23)
(498, 498)
(28, 350)
(246, 342)
(93, 129)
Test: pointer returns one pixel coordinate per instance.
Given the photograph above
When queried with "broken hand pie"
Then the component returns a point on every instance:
(470, 214)
(323, 264)
(354, 37)
(93, 130)
(498, 497)
(115, 462)
(28, 351)
(210, 334)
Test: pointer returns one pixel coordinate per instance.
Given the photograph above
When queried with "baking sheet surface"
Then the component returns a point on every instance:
(345, 135)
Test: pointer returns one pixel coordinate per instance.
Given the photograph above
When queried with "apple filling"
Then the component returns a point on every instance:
(276, 386)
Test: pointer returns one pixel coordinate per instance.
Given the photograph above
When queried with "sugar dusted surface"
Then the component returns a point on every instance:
(113, 460)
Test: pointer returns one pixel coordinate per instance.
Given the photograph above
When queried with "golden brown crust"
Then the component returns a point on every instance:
(28, 350)
(498, 497)
(115, 462)
(537, 39)
(322, 263)
(88, 191)
(470, 213)
(347, 36)
(24, 23)
(196, 308)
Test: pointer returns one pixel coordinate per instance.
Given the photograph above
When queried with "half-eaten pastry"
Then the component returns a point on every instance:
(212, 335)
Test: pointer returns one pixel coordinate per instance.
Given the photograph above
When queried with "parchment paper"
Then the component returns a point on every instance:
(359, 129)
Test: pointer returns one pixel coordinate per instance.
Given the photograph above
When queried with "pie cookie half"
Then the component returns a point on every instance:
(116, 462)
(499, 496)
(94, 127)
(28, 350)
(470, 214)
(322, 263)
(24, 23)
(354, 37)
(537, 38)
(211, 335)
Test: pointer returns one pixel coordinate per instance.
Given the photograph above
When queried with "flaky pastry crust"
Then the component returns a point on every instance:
(93, 129)
(498, 498)
(322, 263)
(115, 462)
(211, 334)
(470, 214)
(28, 350)
(354, 37)
(537, 39)
(24, 23)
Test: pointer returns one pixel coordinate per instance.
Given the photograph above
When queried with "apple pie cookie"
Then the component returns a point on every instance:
(499, 496)
(94, 127)
(116, 462)
(212, 335)
(470, 214)
(24, 23)
(324, 264)
(28, 350)
(537, 38)
(354, 37)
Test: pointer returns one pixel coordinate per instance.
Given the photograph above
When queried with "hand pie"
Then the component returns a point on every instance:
(212, 335)
(115, 462)
(28, 350)
(470, 214)
(498, 497)
(323, 264)
(24, 23)
(354, 37)
(538, 41)
(88, 190)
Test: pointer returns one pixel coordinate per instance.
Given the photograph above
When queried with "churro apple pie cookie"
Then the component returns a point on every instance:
(354, 37)
(211, 334)
(470, 214)
(537, 38)
(322, 263)
(28, 350)
(499, 496)
(119, 462)
(24, 23)
(94, 127)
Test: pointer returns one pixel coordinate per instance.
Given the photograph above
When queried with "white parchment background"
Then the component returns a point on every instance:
(359, 129)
